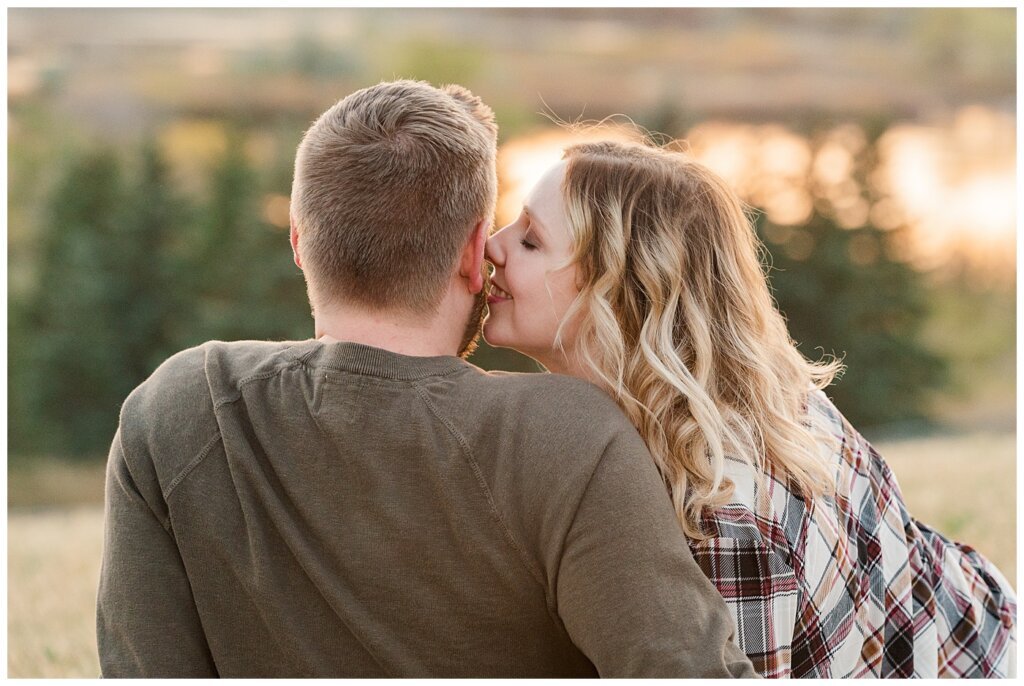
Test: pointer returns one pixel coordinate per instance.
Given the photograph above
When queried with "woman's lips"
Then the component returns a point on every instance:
(497, 294)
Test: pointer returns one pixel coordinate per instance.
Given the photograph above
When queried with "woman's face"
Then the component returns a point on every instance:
(534, 281)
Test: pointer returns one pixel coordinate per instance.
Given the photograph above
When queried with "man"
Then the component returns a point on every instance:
(367, 503)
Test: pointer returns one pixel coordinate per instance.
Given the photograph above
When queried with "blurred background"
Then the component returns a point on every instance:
(150, 155)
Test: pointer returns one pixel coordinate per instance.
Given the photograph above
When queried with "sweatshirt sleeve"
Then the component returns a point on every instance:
(629, 592)
(147, 624)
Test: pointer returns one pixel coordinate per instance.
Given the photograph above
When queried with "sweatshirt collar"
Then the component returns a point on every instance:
(365, 359)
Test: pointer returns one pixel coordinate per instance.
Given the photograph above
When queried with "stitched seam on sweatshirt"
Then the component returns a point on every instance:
(263, 375)
(392, 379)
(165, 523)
(302, 359)
(256, 377)
(483, 486)
(191, 466)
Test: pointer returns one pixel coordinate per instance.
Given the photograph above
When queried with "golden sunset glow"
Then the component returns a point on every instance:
(275, 210)
(523, 161)
(954, 185)
(957, 187)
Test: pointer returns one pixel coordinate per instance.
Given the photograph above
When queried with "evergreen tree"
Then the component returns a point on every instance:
(109, 306)
(27, 431)
(248, 286)
(76, 379)
(153, 292)
(843, 292)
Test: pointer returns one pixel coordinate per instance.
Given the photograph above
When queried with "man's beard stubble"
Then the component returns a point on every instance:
(477, 316)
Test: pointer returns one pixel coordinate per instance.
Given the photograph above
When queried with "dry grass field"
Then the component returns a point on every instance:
(966, 487)
(52, 572)
(963, 485)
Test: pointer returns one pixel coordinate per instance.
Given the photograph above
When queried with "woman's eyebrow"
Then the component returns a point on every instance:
(536, 222)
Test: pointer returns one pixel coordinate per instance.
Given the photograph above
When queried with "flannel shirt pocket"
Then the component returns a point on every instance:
(762, 594)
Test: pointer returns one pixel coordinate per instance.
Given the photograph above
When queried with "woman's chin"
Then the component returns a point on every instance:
(495, 337)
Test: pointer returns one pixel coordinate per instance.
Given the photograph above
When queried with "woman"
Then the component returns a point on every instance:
(637, 269)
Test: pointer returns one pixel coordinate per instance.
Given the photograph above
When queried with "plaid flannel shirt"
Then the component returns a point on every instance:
(852, 585)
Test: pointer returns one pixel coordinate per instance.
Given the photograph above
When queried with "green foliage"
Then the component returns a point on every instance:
(843, 293)
(504, 359)
(247, 285)
(109, 304)
(71, 352)
(151, 289)
(130, 272)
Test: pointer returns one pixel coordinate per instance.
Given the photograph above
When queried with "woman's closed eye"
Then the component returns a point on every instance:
(528, 241)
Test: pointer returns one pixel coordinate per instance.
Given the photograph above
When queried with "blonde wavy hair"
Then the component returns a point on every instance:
(676, 319)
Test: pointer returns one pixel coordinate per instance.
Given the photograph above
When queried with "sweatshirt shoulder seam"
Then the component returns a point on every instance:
(251, 378)
(190, 467)
(478, 475)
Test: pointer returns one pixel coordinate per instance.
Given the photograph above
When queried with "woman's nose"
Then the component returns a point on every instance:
(493, 252)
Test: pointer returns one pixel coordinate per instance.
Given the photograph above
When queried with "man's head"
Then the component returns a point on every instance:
(389, 185)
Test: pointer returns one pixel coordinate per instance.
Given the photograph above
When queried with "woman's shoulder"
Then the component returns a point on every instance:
(765, 507)
(762, 511)
(826, 423)
(854, 458)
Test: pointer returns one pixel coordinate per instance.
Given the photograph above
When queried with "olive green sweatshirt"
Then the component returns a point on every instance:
(332, 509)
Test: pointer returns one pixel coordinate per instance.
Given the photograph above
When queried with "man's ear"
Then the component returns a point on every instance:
(294, 236)
(471, 263)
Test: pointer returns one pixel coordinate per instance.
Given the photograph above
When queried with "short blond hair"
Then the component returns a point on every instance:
(388, 185)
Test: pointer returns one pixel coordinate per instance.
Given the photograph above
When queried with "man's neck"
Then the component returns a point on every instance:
(388, 331)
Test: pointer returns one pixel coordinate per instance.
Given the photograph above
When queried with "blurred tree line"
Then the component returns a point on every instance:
(129, 269)
(847, 295)
(849, 292)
